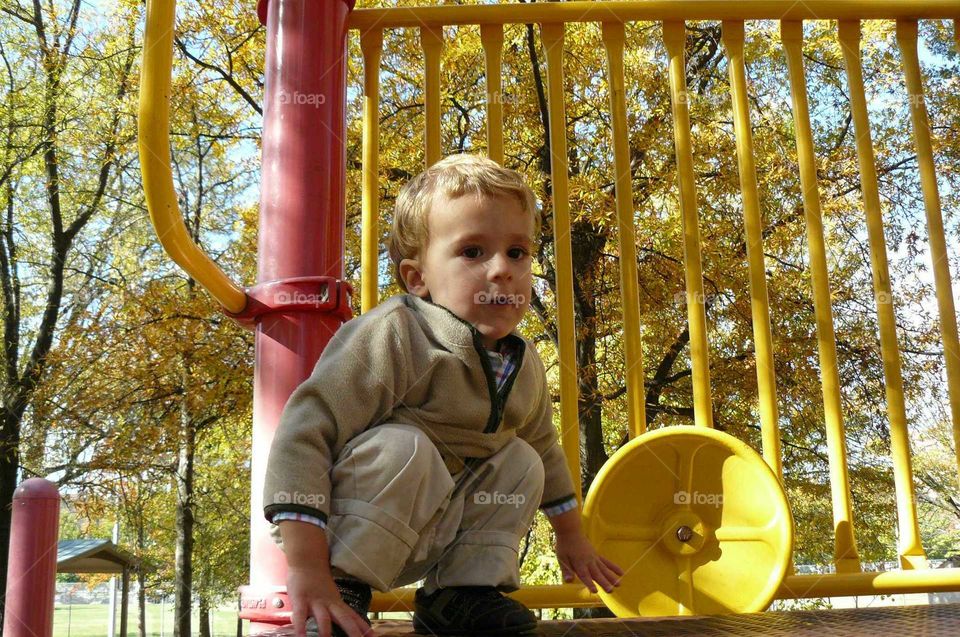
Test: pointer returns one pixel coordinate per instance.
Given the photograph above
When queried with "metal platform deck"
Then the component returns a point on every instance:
(941, 620)
(935, 620)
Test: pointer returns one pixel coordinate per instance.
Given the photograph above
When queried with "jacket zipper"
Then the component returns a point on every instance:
(496, 401)
(493, 422)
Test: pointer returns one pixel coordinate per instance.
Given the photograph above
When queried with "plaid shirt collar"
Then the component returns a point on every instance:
(504, 360)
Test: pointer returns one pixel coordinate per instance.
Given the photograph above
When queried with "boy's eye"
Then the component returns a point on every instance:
(474, 252)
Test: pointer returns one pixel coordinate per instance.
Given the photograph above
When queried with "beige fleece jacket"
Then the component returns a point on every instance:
(414, 362)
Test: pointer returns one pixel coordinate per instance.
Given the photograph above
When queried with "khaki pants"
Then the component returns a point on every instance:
(398, 516)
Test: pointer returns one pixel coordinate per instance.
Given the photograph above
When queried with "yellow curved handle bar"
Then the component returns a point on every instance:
(154, 145)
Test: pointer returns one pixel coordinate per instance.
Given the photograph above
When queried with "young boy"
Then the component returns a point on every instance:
(422, 444)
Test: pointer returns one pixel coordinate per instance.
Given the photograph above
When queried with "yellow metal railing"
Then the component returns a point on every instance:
(914, 575)
(614, 36)
(911, 553)
(907, 39)
(154, 145)
(845, 548)
(733, 35)
(674, 35)
(552, 35)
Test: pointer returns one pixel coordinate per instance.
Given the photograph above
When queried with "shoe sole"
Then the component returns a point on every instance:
(422, 628)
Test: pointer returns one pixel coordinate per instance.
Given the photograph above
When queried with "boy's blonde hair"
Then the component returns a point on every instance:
(453, 176)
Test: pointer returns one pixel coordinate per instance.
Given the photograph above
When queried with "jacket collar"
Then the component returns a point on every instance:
(449, 328)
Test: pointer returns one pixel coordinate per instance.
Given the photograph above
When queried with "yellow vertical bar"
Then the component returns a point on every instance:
(674, 36)
(911, 551)
(907, 40)
(371, 43)
(733, 35)
(491, 36)
(431, 40)
(845, 547)
(613, 41)
(552, 36)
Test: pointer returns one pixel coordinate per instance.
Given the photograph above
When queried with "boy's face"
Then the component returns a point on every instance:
(477, 262)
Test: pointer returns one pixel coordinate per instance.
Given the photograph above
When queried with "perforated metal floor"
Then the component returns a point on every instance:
(941, 620)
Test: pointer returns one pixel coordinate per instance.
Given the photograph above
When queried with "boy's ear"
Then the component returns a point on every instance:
(413, 278)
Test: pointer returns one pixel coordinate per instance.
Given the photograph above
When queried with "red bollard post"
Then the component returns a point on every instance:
(32, 570)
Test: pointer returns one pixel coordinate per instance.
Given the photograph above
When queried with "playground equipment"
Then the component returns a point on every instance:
(32, 573)
(711, 534)
(732, 558)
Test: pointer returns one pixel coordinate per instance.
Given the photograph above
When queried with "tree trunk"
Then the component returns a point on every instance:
(589, 241)
(203, 596)
(184, 550)
(204, 616)
(141, 604)
(141, 585)
(9, 464)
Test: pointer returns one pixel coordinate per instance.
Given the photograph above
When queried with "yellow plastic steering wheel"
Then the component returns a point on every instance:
(697, 520)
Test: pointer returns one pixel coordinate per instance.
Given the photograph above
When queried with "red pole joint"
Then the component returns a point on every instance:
(323, 294)
(32, 570)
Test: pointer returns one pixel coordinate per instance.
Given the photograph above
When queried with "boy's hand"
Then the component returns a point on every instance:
(314, 594)
(577, 556)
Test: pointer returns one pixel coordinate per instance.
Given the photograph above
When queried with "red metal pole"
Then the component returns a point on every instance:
(300, 299)
(32, 570)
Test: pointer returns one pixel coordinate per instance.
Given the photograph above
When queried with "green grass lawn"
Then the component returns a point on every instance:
(90, 620)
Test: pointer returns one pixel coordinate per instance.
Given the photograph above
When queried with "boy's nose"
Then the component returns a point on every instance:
(500, 267)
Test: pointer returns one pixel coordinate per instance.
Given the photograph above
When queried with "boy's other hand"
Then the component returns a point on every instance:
(578, 557)
(314, 594)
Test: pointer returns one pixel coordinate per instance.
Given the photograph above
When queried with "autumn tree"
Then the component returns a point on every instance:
(65, 119)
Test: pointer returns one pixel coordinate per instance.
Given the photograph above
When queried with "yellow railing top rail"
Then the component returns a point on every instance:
(154, 106)
(607, 10)
(154, 145)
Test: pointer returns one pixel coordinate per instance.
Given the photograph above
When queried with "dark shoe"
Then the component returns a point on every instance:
(470, 610)
(356, 595)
